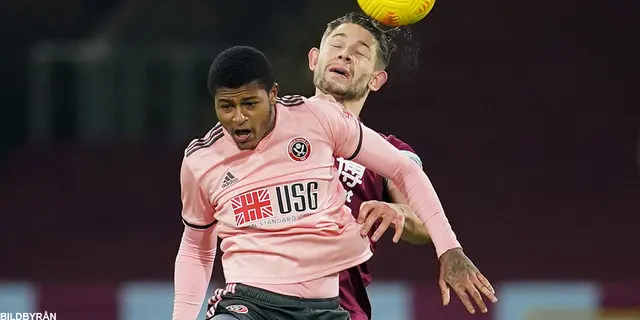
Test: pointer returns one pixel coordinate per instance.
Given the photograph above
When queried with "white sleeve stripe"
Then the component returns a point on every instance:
(412, 156)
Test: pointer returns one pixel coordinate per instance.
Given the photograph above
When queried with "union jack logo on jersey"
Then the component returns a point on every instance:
(252, 206)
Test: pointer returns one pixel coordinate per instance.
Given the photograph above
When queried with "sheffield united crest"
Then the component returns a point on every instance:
(299, 149)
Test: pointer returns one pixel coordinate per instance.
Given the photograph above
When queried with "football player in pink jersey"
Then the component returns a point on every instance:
(348, 65)
(264, 181)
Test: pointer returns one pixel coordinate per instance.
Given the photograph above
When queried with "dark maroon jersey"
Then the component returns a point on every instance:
(362, 185)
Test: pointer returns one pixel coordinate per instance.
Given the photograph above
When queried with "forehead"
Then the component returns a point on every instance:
(353, 32)
(245, 91)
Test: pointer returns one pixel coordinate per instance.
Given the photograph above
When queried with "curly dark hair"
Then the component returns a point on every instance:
(238, 66)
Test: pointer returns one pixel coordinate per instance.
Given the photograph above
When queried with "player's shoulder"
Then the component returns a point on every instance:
(292, 100)
(396, 142)
(404, 147)
(209, 141)
(318, 105)
(295, 106)
(324, 100)
(391, 138)
(328, 107)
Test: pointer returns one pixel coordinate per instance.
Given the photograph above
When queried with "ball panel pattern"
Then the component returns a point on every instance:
(396, 12)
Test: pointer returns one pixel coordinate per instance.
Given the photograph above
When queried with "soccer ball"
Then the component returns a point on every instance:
(396, 12)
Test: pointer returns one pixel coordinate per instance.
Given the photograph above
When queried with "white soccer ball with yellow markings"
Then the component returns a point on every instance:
(397, 12)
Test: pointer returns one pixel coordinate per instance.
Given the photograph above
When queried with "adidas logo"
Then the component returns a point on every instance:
(229, 179)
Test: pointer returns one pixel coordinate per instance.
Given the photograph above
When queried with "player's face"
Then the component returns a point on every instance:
(345, 64)
(246, 113)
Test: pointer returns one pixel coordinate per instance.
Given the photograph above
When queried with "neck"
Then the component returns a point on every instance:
(355, 106)
(272, 120)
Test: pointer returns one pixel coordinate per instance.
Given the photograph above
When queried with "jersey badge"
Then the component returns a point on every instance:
(238, 308)
(299, 149)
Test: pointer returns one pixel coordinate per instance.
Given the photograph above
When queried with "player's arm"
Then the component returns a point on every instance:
(414, 230)
(354, 141)
(194, 262)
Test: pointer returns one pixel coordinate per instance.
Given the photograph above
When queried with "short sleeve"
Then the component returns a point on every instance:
(342, 126)
(197, 212)
(405, 149)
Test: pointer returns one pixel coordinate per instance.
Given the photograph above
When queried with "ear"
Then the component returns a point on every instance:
(273, 94)
(313, 58)
(379, 79)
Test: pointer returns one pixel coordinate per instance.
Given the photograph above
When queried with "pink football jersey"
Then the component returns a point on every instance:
(279, 209)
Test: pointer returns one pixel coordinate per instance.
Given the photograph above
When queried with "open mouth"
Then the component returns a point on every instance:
(242, 135)
(340, 71)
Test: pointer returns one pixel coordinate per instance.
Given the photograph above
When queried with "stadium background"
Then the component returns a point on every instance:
(524, 113)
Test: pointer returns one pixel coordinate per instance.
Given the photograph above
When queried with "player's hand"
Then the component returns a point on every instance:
(372, 211)
(458, 272)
